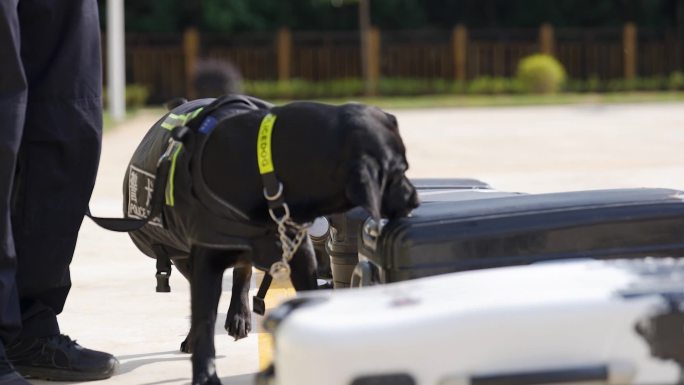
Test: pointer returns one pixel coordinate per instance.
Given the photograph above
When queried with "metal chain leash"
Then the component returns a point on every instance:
(289, 243)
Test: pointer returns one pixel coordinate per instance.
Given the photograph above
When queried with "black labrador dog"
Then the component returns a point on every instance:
(326, 159)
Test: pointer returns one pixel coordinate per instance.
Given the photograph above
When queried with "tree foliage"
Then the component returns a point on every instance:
(267, 15)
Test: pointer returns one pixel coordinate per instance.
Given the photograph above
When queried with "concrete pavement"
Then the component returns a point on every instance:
(113, 305)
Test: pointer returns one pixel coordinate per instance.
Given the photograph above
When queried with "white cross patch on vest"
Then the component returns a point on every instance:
(140, 191)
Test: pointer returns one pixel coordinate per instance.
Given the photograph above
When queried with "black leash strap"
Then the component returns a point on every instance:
(258, 301)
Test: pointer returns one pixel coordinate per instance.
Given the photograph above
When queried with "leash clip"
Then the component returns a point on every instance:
(280, 270)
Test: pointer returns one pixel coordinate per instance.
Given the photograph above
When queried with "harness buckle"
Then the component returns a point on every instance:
(163, 282)
(179, 133)
(169, 150)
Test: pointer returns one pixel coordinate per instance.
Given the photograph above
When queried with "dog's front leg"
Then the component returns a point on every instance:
(239, 319)
(304, 266)
(205, 291)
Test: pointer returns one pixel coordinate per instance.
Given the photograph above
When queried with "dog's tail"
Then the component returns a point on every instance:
(175, 102)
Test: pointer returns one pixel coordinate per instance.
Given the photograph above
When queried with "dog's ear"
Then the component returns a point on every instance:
(392, 123)
(363, 186)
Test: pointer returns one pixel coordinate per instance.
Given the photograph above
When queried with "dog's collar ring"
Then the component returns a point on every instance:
(277, 194)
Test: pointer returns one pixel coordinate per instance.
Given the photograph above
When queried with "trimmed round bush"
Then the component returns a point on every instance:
(541, 74)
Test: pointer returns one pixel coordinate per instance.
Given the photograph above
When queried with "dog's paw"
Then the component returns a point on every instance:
(203, 380)
(239, 324)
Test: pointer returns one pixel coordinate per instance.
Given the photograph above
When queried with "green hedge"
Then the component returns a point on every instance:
(298, 88)
(302, 89)
(674, 82)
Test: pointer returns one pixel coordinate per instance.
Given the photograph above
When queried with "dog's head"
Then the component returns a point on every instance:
(377, 180)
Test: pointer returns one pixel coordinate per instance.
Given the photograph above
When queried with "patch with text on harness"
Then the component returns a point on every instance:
(140, 193)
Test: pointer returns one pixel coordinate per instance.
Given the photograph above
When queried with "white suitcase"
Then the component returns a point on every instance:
(581, 322)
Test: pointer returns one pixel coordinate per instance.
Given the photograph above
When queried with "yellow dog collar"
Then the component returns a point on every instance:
(264, 157)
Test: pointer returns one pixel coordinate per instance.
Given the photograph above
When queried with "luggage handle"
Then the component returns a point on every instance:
(362, 275)
(617, 373)
(371, 232)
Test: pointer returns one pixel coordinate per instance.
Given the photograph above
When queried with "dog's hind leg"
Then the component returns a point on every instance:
(303, 266)
(239, 318)
(185, 268)
(205, 289)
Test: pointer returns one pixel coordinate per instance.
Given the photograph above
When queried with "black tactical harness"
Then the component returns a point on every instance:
(171, 150)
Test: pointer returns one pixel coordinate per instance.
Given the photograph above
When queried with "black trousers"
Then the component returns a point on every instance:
(50, 137)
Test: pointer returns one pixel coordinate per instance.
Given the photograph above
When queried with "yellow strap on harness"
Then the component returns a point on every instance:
(172, 121)
(264, 158)
(169, 197)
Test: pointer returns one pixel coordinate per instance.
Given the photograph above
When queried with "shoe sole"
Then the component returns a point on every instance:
(13, 379)
(63, 374)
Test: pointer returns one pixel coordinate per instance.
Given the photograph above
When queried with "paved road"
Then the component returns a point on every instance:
(113, 305)
(551, 148)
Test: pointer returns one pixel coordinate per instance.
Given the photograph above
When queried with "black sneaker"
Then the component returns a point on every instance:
(7, 374)
(58, 358)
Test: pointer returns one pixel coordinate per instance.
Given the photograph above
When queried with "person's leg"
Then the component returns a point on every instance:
(59, 153)
(12, 108)
(55, 174)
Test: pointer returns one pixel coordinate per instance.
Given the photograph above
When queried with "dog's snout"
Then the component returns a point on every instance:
(414, 201)
(399, 199)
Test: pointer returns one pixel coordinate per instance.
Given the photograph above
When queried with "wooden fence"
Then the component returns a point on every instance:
(165, 62)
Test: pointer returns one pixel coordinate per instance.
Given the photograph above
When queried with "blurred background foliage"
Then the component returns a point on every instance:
(268, 15)
(237, 45)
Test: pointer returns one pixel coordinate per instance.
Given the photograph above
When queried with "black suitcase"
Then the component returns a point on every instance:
(443, 237)
(335, 237)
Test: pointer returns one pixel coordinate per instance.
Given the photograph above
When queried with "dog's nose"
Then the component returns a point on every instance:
(414, 201)
(411, 193)
(410, 202)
